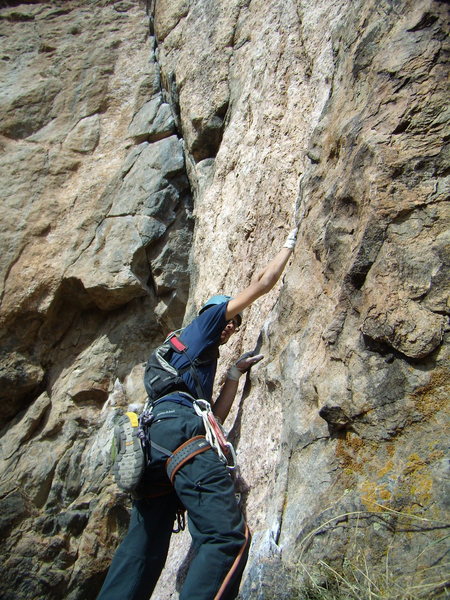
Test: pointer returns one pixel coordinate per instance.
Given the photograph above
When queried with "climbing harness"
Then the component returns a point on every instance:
(132, 445)
(181, 521)
(214, 438)
(185, 452)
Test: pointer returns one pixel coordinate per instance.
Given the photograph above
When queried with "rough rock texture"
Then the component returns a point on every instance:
(332, 115)
(96, 237)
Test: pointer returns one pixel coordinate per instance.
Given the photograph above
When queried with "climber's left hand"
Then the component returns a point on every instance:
(247, 360)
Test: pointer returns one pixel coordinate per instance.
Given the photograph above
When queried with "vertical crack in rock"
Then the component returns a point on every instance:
(202, 130)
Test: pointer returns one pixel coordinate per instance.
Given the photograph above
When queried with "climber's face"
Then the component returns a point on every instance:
(231, 327)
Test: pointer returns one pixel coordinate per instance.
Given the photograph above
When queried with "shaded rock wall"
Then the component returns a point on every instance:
(332, 116)
(94, 269)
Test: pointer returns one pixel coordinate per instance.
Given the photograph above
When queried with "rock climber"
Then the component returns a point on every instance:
(203, 485)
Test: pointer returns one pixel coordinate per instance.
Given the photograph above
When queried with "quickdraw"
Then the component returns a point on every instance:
(215, 434)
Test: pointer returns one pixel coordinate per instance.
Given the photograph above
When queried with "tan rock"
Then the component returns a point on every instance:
(343, 96)
(85, 135)
(332, 115)
(405, 326)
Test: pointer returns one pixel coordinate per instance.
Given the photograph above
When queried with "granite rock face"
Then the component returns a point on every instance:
(121, 124)
(336, 119)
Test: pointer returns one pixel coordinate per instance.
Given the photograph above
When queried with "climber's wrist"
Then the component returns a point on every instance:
(291, 239)
(234, 373)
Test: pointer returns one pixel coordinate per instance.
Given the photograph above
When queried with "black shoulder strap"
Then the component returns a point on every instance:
(206, 357)
(198, 384)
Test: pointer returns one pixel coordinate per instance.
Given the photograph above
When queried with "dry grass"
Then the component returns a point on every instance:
(357, 578)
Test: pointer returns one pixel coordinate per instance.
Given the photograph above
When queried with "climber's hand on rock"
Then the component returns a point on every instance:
(243, 364)
(247, 360)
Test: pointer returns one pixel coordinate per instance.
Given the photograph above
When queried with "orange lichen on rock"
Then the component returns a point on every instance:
(433, 397)
(400, 486)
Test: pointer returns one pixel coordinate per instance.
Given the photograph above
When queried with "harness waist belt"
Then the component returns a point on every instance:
(185, 452)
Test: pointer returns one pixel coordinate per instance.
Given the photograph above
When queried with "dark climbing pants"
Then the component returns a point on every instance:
(218, 531)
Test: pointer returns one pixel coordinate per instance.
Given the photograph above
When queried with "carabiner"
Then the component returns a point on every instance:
(233, 456)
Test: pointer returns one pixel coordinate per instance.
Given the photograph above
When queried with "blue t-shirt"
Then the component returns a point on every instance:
(202, 335)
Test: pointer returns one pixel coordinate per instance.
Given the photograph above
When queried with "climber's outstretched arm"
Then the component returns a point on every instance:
(261, 284)
(264, 280)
